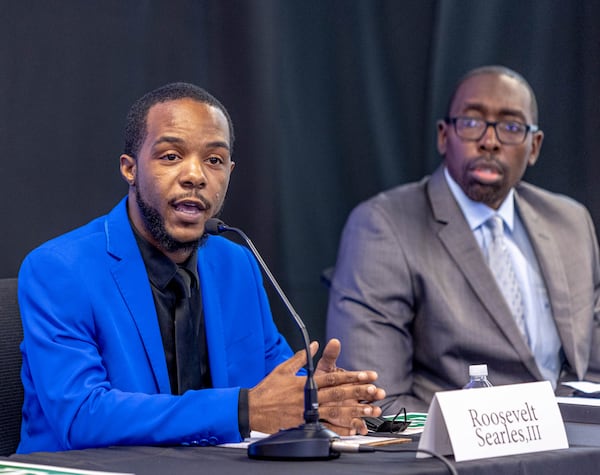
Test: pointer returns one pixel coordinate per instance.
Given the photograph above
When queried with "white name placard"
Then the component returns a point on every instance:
(490, 422)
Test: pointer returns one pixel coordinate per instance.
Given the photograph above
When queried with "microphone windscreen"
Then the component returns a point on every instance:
(214, 226)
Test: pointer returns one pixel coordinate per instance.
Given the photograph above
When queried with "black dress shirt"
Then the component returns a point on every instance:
(162, 273)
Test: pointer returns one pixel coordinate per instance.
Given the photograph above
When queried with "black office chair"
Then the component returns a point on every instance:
(11, 388)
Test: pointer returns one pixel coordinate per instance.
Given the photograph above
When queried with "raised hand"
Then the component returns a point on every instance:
(344, 396)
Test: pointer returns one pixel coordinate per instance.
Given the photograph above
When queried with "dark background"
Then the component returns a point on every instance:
(333, 101)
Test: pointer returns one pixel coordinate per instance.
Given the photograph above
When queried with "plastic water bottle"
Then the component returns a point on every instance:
(478, 377)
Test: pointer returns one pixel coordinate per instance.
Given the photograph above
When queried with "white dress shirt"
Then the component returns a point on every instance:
(544, 341)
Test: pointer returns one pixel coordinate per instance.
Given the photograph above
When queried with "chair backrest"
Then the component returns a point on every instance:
(326, 276)
(11, 388)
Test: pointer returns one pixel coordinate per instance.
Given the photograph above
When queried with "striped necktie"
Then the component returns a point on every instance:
(501, 266)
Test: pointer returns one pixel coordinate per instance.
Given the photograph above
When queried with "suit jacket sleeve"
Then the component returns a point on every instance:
(371, 304)
(593, 370)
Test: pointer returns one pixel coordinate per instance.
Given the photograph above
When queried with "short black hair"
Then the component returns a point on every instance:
(136, 121)
(499, 71)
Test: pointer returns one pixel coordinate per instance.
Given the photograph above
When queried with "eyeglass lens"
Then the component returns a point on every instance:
(507, 132)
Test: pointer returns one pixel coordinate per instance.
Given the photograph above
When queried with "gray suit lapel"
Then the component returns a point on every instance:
(458, 239)
(553, 273)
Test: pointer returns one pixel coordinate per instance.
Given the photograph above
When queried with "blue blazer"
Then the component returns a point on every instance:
(94, 369)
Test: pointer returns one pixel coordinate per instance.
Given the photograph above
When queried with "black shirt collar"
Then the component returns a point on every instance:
(160, 268)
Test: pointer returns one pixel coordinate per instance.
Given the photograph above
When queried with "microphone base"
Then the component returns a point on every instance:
(311, 441)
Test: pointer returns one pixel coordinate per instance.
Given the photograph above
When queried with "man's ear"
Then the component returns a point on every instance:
(536, 145)
(442, 137)
(128, 166)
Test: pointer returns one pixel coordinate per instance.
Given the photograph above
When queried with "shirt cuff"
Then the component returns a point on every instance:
(243, 416)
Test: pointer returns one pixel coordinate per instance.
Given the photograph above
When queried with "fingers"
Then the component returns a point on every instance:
(344, 406)
(293, 364)
(331, 352)
(350, 392)
(344, 423)
(346, 413)
(336, 378)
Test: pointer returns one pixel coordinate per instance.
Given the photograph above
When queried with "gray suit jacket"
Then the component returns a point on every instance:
(413, 298)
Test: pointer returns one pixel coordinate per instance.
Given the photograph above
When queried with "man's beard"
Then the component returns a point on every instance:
(155, 225)
(486, 194)
(489, 194)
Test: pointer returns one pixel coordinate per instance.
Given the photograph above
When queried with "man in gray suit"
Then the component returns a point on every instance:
(413, 296)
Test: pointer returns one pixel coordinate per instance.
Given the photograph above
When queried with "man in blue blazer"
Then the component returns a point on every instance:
(101, 364)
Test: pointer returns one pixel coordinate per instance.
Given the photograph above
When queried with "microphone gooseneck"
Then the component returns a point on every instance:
(311, 440)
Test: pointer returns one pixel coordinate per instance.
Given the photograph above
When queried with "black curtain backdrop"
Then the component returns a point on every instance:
(333, 101)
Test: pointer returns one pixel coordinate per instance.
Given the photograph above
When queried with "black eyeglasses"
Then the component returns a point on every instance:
(397, 424)
(508, 132)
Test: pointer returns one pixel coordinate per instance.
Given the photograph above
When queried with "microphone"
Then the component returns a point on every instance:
(311, 440)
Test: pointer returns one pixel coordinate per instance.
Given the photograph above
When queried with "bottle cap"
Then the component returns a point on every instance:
(478, 370)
